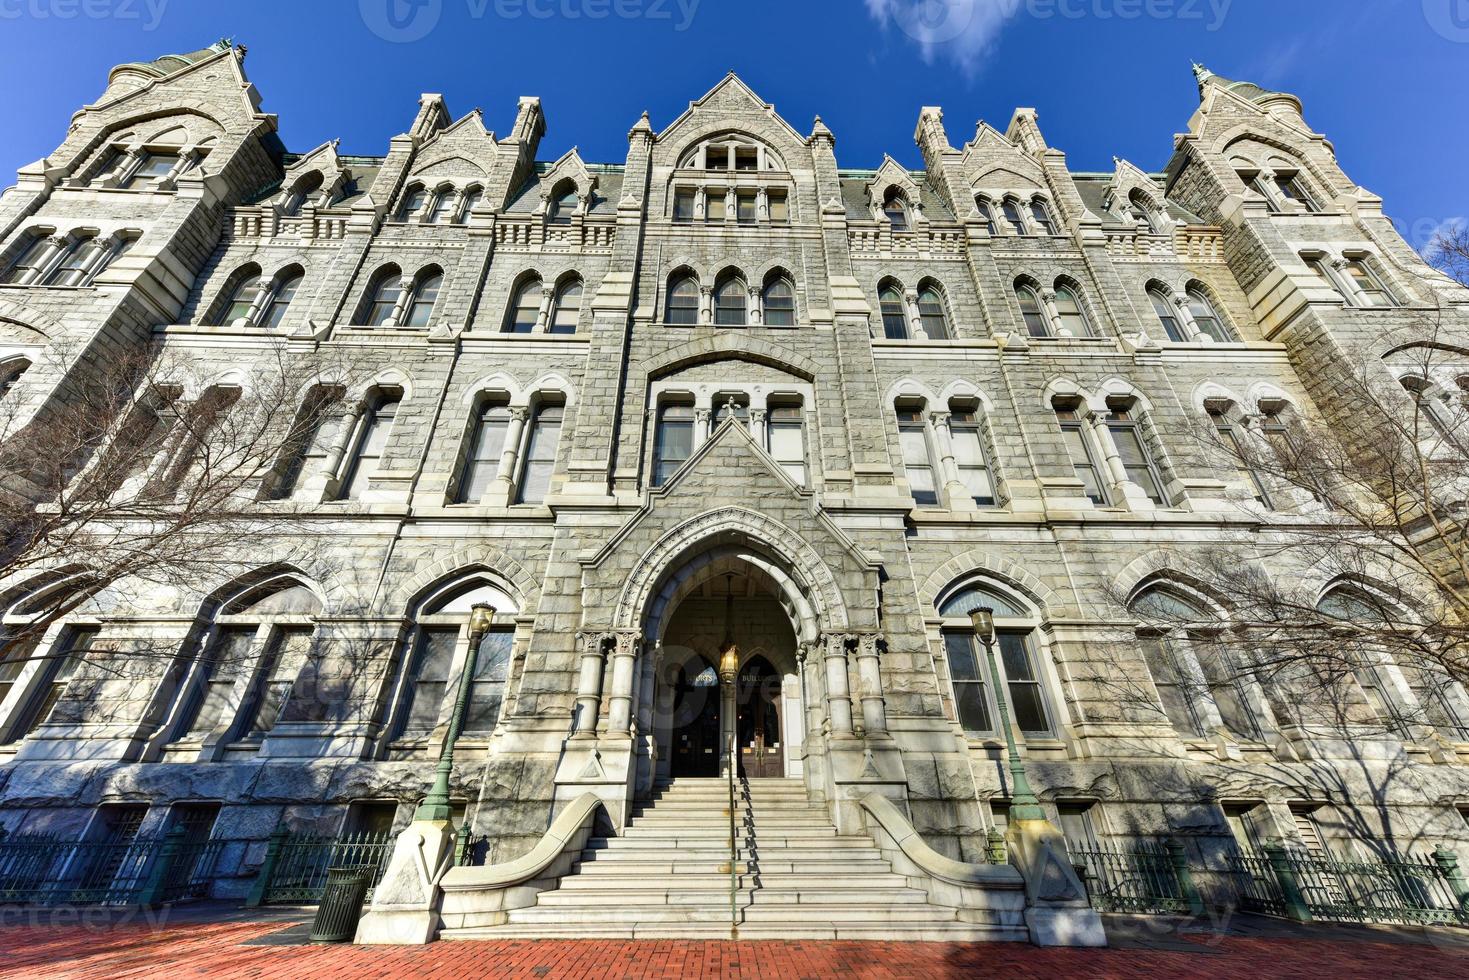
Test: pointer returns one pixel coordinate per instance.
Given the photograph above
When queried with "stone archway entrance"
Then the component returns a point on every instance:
(734, 602)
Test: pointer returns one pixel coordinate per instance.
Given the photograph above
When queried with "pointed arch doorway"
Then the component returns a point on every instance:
(731, 601)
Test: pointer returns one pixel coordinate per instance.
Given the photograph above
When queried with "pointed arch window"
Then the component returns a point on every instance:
(931, 313)
(242, 299)
(1080, 447)
(525, 308)
(383, 297)
(1206, 318)
(279, 303)
(312, 434)
(918, 467)
(1144, 210)
(413, 202)
(1016, 659)
(10, 373)
(437, 649)
(986, 212)
(894, 312)
(1070, 312)
(895, 209)
(779, 302)
(563, 204)
(1369, 287)
(1010, 208)
(29, 262)
(730, 301)
(425, 294)
(567, 308)
(970, 455)
(1031, 310)
(1042, 217)
(540, 455)
(683, 302)
(296, 200)
(1292, 188)
(471, 200)
(441, 208)
(70, 268)
(1167, 314)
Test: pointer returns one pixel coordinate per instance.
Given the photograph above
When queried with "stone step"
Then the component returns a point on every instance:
(848, 882)
(762, 850)
(759, 824)
(775, 806)
(767, 870)
(869, 915)
(693, 831)
(694, 897)
(937, 932)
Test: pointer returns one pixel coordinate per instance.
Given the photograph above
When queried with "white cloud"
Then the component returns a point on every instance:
(960, 30)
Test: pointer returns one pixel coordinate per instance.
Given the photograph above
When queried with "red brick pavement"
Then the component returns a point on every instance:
(214, 949)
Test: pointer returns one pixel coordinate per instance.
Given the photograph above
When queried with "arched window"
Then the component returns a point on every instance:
(296, 200)
(971, 458)
(525, 307)
(38, 657)
(1369, 287)
(27, 263)
(1015, 659)
(486, 446)
(305, 449)
(895, 209)
(540, 454)
(281, 295)
(470, 201)
(1206, 318)
(673, 440)
(1126, 428)
(436, 655)
(425, 295)
(986, 212)
(1144, 210)
(778, 302)
(1081, 448)
(242, 297)
(413, 201)
(113, 250)
(1293, 188)
(151, 169)
(255, 667)
(1031, 310)
(1436, 406)
(1167, 314)
(730, 299)
(369, 442)
(931, 312)
(70, 267)
(383, 296)
(913, 441)
(1198, 684)
(567, 307)
(563, 204)
(1070, 312)
(1011, 209)
(1042, 216)
(441, 207)
(894, 312)
(10, 373)
(683, 301)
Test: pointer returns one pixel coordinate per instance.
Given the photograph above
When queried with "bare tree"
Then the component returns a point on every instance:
(138, 472)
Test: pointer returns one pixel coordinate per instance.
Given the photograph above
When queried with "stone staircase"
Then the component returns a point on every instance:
(667, 876)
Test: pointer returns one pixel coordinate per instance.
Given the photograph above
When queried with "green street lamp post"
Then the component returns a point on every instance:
(435, 805)
(1024, 805)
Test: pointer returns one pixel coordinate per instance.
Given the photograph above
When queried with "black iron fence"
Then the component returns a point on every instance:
(1142, 876)
(1309, 886)
(295, 865)
(39, 869)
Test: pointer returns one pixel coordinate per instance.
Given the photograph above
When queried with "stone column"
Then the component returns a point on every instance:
(543, 315)
(505, 472)
(624, 660)
(1053, 315)
(706, 304)
(589, 684)
(838, 696)
(757, 426)
(56, 247)
(1186, 321)
(754, 314)
(701, 425)
(762, 205)
(943, 437)
(869, 673)
(915, 322)
(405, 293)
(1102, 437)
(332, 464)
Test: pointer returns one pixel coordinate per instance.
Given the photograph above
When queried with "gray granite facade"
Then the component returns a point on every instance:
(875, 469)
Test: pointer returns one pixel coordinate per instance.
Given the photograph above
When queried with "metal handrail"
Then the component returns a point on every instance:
(733, 848)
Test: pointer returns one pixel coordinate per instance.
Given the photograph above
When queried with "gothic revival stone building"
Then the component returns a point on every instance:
(724, 389)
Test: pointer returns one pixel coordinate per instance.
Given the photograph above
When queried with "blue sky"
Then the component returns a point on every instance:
(1383, 79)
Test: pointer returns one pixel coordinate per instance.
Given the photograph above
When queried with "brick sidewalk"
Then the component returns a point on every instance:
(214, 949)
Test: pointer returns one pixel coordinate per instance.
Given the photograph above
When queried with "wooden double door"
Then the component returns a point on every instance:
(758, 734)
